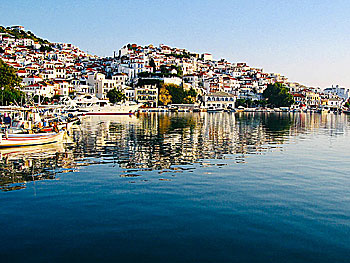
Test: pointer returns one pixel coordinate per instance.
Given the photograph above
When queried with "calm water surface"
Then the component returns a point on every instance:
(182, 188)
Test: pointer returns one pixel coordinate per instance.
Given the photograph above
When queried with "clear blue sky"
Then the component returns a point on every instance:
(307, 40)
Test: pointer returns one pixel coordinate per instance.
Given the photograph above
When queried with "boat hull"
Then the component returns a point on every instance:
(21, 140)
(108, 113)
(111, 110)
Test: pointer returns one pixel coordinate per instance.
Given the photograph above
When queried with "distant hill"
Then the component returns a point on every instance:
(19, 34)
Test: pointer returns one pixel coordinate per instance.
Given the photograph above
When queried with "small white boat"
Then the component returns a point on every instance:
(215, 109)
(91, 105)
(38, 151)
(20, 140)
(119, 109)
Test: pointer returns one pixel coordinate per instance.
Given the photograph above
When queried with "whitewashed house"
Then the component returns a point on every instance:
(219, 100)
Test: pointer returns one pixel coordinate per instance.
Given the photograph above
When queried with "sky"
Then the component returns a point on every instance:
(308, 41)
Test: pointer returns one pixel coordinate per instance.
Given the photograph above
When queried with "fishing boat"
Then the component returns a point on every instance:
(35, 152)
(20, 140)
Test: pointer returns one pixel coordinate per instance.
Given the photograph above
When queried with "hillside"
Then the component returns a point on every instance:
(19, 34)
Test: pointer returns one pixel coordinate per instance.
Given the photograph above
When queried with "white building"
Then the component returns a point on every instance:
(101, 84)
(147, 94)
(207, 57)
(41, 89)
(173, 80)
(219, 100)
(31, 80)
(339, 91)
(129, 94)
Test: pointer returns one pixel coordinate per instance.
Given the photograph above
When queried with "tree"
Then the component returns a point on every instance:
(179, 95)
(242, 102)
(165, 70)
(9, 96)
(191, 96)
(176, 92)
(144, 74)
(8, 76)
(115, 96)
(45, 48)
(278, 95)
(152, 64)
(20, 34)
(8, 82)
(164, 96)
(260, 103)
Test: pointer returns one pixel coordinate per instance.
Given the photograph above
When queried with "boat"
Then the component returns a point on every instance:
(240, 109)
(38, 151)
(284, 109)
(20, 140)
(117, 109)
(214, 109)
(91, 105)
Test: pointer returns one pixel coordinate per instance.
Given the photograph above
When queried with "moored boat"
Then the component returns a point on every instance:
(91, 105)
(119, 109)
(20, 140)
(215, 109)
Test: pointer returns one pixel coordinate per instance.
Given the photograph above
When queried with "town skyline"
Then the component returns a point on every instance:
(304, 41)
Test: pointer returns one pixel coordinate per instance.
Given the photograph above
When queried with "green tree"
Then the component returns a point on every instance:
(347, 103)
(19, 34)
(8, 76)
(165, 70)
(45, 48)
(144, 74)
(260, 103)
(177, 93)
(191, 96)
(10, 96)
(244, 102)
(9, 82)
(181, 96)
(115, 96)
(278, 95)
(152, 64)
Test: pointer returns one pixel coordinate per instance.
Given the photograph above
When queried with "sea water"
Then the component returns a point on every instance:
(182, 187)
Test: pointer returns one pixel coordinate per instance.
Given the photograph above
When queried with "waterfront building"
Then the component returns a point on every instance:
(341, 92)
(129, 94)
(85, 73)
(147, 94)
(219, 100)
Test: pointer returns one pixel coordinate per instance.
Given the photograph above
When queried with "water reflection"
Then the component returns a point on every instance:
(162, 142)
(20, 165)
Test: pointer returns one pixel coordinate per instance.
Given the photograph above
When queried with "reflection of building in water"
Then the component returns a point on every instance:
(20, 165)
(158, 141)
(162, 141)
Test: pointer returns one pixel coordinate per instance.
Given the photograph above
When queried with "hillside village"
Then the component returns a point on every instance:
(60, 69)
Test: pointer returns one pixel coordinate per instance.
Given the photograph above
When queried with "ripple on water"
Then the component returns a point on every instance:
(242, 186)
